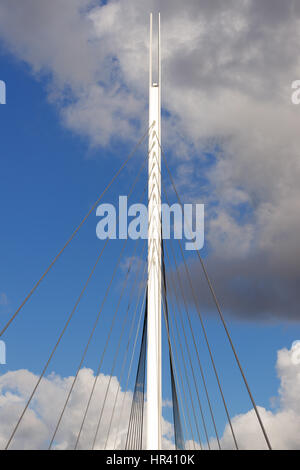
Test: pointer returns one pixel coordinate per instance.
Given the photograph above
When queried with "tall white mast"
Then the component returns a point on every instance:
(154, 406)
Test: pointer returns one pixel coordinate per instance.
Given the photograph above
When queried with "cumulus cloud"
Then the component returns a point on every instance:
(283, 424)
(84, 76)
(251, 287)
(39, 422)
(230, 124)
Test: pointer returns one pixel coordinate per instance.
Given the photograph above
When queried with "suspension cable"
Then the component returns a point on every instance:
(90, 337)
(135, 430)
(188, 383)
(194, 341)
(97, 430)
(106, 346)
(130, 368)
(178, 435)
(191, 365)
(95, 382)
(126, 352)
(56, 345)
(217, 304)
(207, 342)
(69, 319)
(179, 367)
(130, 156)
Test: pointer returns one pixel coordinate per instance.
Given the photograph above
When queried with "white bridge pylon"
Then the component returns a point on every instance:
(154, 388)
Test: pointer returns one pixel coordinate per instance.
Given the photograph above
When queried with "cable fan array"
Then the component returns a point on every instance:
(191, 378)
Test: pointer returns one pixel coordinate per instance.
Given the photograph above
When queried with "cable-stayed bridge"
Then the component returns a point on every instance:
(154, 336)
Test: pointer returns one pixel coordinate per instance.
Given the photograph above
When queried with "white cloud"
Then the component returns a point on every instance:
(39, 422)
(227, 74)
(283, 424)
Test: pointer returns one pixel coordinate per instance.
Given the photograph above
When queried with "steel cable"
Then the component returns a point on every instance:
(217, 304)
(194, 342)
(75, 231)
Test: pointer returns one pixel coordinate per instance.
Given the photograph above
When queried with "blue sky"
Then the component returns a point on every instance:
(50, 176)
(49, 179)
